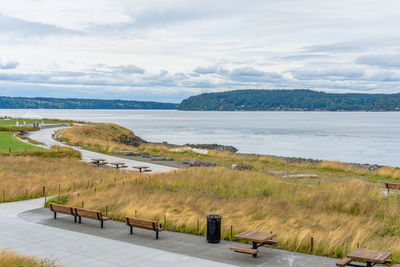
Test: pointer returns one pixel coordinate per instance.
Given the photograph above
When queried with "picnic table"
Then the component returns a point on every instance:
(140, 168)
(370, 257)
(119, 165)
(99, 162)
(258, 238)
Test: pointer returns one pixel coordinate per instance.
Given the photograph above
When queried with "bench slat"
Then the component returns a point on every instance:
(251, 251)
(343, 262)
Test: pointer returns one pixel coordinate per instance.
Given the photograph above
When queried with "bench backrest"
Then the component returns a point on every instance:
(144, 224)
(392, 185)
(91, 214)
(62, 209)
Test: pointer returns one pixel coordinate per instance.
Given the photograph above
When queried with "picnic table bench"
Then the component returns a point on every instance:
(144, 224)
(142, 168)
(119, 165)
(99, 162)
(62, 209)
(257, 238)
(392, 186)
(370, 257)
(90, 214)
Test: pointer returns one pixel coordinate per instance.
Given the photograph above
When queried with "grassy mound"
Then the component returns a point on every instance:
(100, 137)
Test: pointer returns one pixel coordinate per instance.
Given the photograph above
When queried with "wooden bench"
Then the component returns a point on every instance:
(144, 224)
(250, 251)
(90, 214)
(392, 186)
(62, 209)
(343, 262)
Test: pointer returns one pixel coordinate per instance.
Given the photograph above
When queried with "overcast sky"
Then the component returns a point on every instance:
(168, 50)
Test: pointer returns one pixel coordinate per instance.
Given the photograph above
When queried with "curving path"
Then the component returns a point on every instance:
(45, 136)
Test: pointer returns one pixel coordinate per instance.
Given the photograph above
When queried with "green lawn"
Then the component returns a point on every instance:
(21, 121)
(7, 141)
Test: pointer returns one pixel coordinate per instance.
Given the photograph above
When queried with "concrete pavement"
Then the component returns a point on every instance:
(45, 136)
(34, 231)
(27, 233)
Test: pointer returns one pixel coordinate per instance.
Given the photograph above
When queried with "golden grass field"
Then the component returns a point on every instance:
(341, 208)
(9, 258)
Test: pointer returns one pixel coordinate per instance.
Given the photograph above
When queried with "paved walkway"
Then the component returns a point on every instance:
(30, 229)
(44, 136)
(26, 233)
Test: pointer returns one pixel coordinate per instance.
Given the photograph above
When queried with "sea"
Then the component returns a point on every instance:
(358, 137)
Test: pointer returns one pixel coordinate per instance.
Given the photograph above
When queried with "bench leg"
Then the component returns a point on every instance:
(131, 230)
(55, 215)
(255, 247)
(80, 219)
(74, 219)
(101, 224)
(156, 234)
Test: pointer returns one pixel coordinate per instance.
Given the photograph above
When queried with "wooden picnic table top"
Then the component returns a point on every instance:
(98, 160)
(118, 163)
(140, 167)
(361, 254)
(253, 236)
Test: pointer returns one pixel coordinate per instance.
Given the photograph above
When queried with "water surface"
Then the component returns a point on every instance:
(362, 137)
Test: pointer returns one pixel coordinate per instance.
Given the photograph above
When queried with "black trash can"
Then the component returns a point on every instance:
(213, 228)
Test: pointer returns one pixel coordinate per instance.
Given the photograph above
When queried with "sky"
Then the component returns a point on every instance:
(169, 50)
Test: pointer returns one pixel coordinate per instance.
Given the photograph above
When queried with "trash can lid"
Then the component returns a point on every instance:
(214, 216)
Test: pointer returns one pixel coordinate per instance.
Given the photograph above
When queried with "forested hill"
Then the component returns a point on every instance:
(75, 103)
(306, 100)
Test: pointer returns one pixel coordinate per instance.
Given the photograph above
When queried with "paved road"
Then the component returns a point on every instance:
(25, 235)
(44, 136)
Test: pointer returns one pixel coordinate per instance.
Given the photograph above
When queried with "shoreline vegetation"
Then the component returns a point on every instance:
(341, 206)
(290, 100)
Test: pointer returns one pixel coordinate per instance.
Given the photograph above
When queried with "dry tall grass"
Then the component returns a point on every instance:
(100, 137)
(24, 177)
(11, 259)
(339, 214)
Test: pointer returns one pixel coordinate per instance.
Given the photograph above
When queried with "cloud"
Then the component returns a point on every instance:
(384, 61)
(6, 65)
(345, 47)
(250, 74)
(128, 69)
(328, 72)
(29, 28)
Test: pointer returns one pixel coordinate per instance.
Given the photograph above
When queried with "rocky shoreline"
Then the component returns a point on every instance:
(137, 141)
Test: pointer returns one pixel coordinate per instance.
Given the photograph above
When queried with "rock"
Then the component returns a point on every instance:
(161, 158)
(131, 140)
(221, 148)
(199, 163)
(242, 167)
(300, 176)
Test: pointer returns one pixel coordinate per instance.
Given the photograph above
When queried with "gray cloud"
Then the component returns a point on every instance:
(6, 65)
(250, 74)
(385, 61)
(345, 47)
(28, 28)
(328, 72)
(128, 69)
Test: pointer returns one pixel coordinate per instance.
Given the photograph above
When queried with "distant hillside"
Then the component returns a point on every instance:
(76, 103)
(307, 100)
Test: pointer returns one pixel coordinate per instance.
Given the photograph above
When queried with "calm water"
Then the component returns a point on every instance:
(362, 137)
